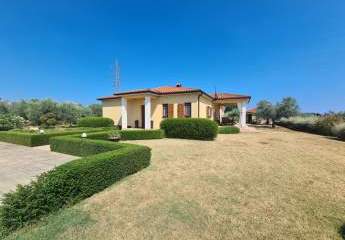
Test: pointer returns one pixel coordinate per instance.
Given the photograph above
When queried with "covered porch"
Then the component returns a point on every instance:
(136, 111)
(222, 102)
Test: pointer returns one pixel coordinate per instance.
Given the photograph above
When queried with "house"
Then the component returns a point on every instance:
(146, 108)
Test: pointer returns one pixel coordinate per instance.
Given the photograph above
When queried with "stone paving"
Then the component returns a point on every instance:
(20, 164)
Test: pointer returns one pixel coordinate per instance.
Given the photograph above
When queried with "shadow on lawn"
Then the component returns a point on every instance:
(342, 231)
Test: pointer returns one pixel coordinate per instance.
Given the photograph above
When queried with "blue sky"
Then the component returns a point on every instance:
(266, 48)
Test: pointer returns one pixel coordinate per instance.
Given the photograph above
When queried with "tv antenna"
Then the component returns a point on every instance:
(117, 81)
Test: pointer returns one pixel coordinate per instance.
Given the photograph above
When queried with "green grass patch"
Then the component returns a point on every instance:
(228, 130)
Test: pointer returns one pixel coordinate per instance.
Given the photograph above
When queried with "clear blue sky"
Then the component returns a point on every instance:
(266, 48)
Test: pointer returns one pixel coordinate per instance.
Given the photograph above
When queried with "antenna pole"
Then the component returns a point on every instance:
(117, 82)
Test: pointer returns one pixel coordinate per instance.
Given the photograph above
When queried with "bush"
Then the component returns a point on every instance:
(67, 184)
(48, 120)
(141, 134)
(37, 139)
(339, 131)
(317, 125)
(324, 125)
(95, 122)
(8, 122)
(190, 128)
(228, 130)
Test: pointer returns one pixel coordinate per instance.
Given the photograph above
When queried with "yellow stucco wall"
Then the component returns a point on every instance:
(112, 107)
(204, 103)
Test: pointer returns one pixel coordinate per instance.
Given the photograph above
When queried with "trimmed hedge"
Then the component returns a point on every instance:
(67, 184)
(36, 139)
(190, 128)
(228, 130)
(95, 122)
(141, 134)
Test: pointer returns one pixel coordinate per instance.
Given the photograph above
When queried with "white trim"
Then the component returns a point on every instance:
(147, 112)
(242, 107)
(124, 113)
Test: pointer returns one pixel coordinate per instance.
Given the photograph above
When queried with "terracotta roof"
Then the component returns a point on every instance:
(174, 90)
(220, 96)
(168, 89)
(253, 110)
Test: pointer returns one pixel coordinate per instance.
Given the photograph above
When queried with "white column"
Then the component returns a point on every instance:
(221, 113)
(124, 113)
(242, 107)
(147, 112)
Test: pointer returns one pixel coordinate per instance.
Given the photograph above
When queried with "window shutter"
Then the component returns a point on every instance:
(180, 110)
(170, 110)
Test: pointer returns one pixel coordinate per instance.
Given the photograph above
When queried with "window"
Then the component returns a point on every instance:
(165, 111)
(187, 110)
(209, 111)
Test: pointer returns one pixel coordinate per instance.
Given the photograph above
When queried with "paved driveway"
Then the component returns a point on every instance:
(20, 164)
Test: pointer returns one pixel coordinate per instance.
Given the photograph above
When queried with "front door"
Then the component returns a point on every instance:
(142, 116)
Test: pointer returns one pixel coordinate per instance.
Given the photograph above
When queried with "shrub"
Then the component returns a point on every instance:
(95, 122)
(141, 134)
(36, 139)
(48, 120)
(8, 122)
(325, 124)
(318, 125)
(190, 128)
(73, 181)
(228, 130)
(339, 131)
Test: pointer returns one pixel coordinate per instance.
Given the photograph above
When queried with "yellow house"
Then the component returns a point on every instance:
(146, 108)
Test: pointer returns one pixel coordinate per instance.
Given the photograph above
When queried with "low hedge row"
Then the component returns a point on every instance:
(190, 128)
(228, 130)
(36, 139)
(67, 184)
(141, 134)
(95, 122)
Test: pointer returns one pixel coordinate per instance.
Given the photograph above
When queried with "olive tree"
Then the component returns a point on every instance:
(288, 107)
(266, 110)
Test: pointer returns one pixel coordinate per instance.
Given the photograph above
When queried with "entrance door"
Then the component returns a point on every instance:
(143, 116)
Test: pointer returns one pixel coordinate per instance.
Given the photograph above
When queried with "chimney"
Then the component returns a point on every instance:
(178, 84)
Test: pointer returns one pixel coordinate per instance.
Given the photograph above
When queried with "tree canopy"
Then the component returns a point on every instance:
(48, 111)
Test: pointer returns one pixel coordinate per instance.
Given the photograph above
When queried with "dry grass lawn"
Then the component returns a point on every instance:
(272, 184)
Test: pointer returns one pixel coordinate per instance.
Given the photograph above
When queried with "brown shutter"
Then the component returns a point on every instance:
(170, 110)
(180, 110)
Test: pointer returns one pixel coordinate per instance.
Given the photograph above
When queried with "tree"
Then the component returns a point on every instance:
(96, 109)
(4, 107)
(69, 112)
(266, 110)
(232, 113)
(288, 107)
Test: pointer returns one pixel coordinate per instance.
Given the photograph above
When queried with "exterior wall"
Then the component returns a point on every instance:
(175, 99)
(204, 103)
(111, 108)
(134, 111)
